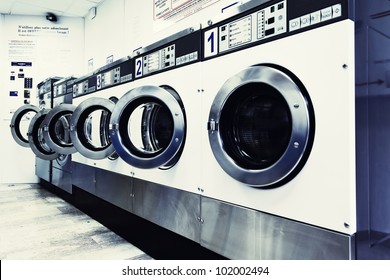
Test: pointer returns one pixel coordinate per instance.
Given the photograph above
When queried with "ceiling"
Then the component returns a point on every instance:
(70, 8)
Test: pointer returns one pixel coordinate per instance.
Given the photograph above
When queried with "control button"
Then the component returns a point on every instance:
(305, 21)
(269, 31)
(336, 10)
(295, 24)
(326, 14)
(271, 20)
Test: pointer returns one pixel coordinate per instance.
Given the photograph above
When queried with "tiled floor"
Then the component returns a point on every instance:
(36, 224)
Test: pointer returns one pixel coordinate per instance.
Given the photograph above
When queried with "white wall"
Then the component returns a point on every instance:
(121, 26)
(105, 35)
(54, 49)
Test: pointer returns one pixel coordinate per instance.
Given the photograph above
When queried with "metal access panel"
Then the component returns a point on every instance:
(283, 239)
(114, 188)
(62, 179)
(227, 229)
(43, 169)
(173, 209)
(83, 177)
(242, 233)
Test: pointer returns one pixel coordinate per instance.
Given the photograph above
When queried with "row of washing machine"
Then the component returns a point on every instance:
(239, 134)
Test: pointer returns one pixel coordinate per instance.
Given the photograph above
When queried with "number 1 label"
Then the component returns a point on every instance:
(211, 42)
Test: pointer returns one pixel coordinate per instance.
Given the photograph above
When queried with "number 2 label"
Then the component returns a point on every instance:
(138, 67)
(211, 42)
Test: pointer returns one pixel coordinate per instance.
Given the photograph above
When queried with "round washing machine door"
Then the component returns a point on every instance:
(36, 140)
(20, 122)
(261, 126)
(56, 129)
(148, 127)
(90, 128)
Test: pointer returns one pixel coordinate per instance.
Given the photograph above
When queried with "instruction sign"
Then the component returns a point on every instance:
(178, 9)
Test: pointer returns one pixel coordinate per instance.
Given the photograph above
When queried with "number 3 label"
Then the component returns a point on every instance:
(211, 42)
(99, 81)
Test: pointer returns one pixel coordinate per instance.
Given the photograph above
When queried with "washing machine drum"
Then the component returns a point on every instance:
(89, 130)
(148, 127)
(36, 140)
(20, 122)
(261, 126)
(56, 129)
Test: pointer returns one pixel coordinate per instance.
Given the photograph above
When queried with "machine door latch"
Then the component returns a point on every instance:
(212, 125)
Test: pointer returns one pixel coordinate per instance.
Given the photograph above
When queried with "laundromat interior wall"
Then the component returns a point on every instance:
(32, 49)
(122, 26)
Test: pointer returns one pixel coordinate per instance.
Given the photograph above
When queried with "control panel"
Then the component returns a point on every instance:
(46, 87)
(268, 22)
(259, 25)
(63, 87)
(59, 89)
(178, 50)
(84, 85)
(159, 60)
(115, 73)
(315, 17)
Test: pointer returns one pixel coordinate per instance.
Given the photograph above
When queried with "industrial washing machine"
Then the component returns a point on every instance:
(25, 128)
(56, 132)
(97, 167)
(278, 137)
(155, 128)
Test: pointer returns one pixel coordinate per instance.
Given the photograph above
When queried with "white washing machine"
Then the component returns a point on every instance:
(95, 97)
(36, 141)
(155, 126)
(56, 132)
(278, 105)
(96, 167)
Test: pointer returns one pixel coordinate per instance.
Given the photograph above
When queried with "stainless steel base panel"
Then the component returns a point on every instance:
(83, 177)
(114, 188)
(170, 208)
(109, 186)
(241, 233)
(43, 169)
(62, 179)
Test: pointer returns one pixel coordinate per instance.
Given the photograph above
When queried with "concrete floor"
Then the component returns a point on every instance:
(36, 224)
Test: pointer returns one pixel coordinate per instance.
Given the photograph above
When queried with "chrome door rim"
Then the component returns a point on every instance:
(163, 95)
(302, 131)
(48, 129)
(78, 119)
(35, 145)
(15, 124)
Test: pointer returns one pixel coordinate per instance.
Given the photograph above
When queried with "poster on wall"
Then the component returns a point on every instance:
(176, 10)
(36, 49)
